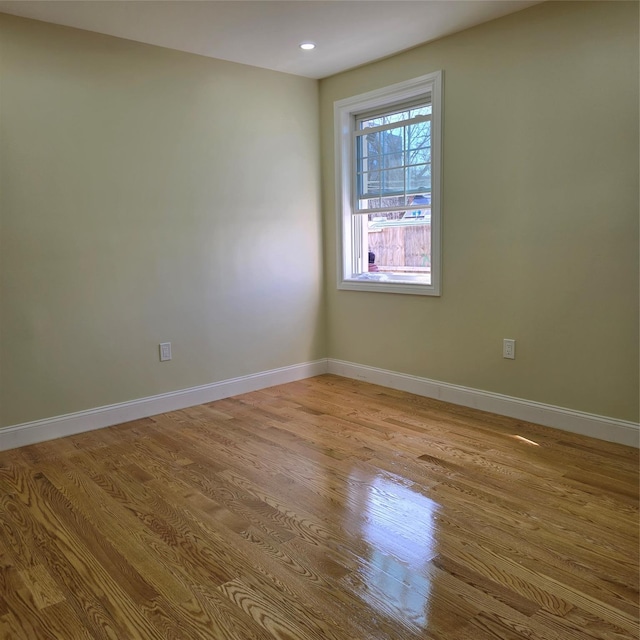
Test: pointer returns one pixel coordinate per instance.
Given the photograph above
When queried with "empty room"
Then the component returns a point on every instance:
(319, 320)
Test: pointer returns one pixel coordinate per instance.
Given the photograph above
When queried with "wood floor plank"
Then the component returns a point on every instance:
(321, 509)
(189, 607)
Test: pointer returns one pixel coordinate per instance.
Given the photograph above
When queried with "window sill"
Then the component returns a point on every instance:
(386, 283)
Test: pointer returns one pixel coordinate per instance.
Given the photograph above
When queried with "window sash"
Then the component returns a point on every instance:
(403, 207)
(385, 127)
(386, 174)
(396, 107)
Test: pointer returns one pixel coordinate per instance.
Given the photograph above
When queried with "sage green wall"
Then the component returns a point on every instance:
(147, 196)
(540, 227)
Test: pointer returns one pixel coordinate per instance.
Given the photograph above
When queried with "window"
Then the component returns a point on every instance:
(388, 150)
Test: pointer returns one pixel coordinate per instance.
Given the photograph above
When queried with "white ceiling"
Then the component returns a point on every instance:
(266, 33)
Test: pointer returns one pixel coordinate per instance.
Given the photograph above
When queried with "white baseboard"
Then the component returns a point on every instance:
(585, 424)
(41, 430)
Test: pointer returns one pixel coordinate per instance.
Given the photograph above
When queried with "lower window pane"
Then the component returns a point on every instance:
(399, 246)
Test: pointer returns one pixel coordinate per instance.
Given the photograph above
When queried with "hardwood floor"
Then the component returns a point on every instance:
(325, 509)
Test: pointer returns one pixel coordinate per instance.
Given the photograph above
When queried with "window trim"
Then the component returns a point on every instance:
(345, 112)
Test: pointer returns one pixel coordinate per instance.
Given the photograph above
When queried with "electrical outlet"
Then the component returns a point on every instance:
(165, 351)
(509, 349)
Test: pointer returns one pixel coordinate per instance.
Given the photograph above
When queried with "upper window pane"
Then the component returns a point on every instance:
(393, 157)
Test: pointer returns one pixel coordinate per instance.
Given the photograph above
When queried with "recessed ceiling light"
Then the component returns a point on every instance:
(307, 46)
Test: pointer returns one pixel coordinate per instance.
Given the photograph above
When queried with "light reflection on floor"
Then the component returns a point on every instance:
(526, 440)
(400, 528)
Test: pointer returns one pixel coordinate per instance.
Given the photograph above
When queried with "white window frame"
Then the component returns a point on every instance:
(345, 112)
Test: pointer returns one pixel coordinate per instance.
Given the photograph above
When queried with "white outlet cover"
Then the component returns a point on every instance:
(509, 349)
(165, 351)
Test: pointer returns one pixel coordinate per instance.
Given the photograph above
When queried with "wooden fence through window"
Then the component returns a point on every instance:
(402, 248)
